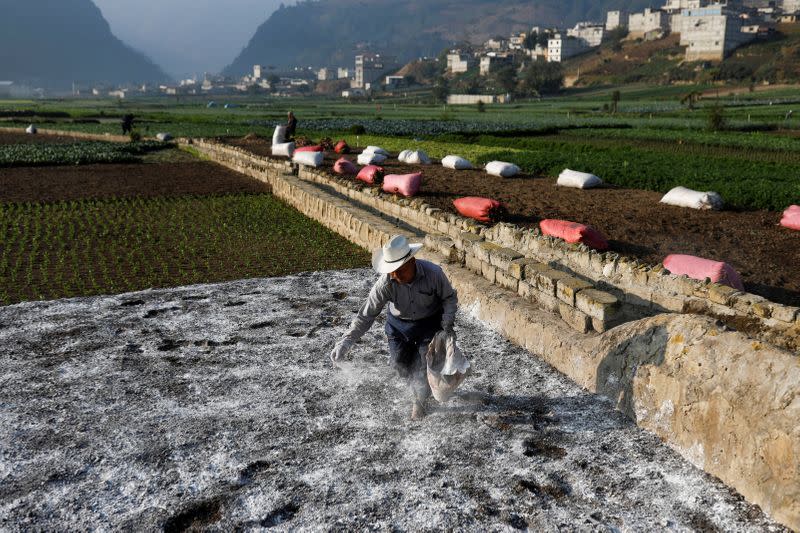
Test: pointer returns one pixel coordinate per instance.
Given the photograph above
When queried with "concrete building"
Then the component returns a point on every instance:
(495, 44)
(493, 60)
(560, 48)
(590, 32)
(640, 24)
(615, 19)
(790, 7)
(711, 33)
(370, 68)
(343, 73)
(459, 62)
(393, 82)
(325, 74)
(517, 41)
(258, 72)
(471, 99)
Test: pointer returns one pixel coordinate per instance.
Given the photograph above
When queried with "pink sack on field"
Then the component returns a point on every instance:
(481, 209)
(574, 233)
(315, 148)
(699, 268)
(345, 166)
(371, 174)
(791, 217)
(403, 184)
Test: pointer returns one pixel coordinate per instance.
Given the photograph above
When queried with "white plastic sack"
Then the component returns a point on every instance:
(578, 180)
(283, 149)
(456, 163)
(309, 159)
(279, 135)
(31, 129)
(403, 156)
(683, 197)
(447, 366)
(370, 158)
(502, 169)
(376, 150)
(164, 137)
(418, 157)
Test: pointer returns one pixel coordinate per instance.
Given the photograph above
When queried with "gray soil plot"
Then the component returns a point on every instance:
(214, 407)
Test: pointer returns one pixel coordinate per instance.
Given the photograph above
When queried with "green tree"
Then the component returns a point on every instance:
(481, 106)
(615, 97)
(542, 78)
(505, 78)
(716, 118)
(441, 89)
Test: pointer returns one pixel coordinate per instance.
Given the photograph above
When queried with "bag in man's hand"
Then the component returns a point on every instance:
(447, 366)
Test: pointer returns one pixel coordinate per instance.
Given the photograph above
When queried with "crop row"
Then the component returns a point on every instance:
(742, 182)
(87, 247)
(79, 153)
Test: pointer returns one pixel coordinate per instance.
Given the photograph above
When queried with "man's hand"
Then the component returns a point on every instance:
(340, 350)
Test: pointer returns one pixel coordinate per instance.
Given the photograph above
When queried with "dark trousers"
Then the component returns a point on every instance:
(408, 344)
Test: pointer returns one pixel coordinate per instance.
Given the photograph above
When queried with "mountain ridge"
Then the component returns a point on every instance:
(331, 32)
(53, 43)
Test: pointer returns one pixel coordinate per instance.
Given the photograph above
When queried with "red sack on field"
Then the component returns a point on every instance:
(481, 209)
(341, 148)
(791, 217)
(315, 148)
(699, 268)
(403, 184)
(371, 174)
(345, 166)
(573, 233)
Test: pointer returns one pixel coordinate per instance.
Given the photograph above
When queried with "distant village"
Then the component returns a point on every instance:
(710, 31)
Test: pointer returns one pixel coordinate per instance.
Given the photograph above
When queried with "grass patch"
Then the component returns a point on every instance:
(91, 247)
(80, 153)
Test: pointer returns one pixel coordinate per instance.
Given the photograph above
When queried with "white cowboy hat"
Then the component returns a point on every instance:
(393, 255)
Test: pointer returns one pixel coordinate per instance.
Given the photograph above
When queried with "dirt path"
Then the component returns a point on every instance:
(213, 406)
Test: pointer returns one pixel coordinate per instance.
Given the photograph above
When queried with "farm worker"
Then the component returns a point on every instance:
(291, 125)
(421, 302)
(127, 123)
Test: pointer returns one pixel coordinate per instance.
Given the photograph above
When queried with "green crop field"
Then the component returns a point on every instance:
(82, 153)
(653, 141)
(89, 247)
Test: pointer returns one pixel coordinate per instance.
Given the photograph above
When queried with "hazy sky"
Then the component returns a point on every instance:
(187, 36)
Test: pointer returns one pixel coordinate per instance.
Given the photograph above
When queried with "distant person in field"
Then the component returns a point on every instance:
(421, 303)
(127, 124)
(291, 125)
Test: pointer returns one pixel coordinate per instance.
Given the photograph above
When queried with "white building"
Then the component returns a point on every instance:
(590, 32)
(790, 7)
(468, 99)
(640, 24)
(711, 33)
(343, 73)
(258, 72)
(495, 44)
(370, 67)
(459, 62)
(560, 48)
(517, 41)
(493, 60)
(325, 74)
(615, 19)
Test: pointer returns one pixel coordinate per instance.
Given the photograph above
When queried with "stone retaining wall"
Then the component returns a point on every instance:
(726, 402)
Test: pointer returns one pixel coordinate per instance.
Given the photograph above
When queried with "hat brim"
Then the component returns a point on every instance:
(382, 267)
